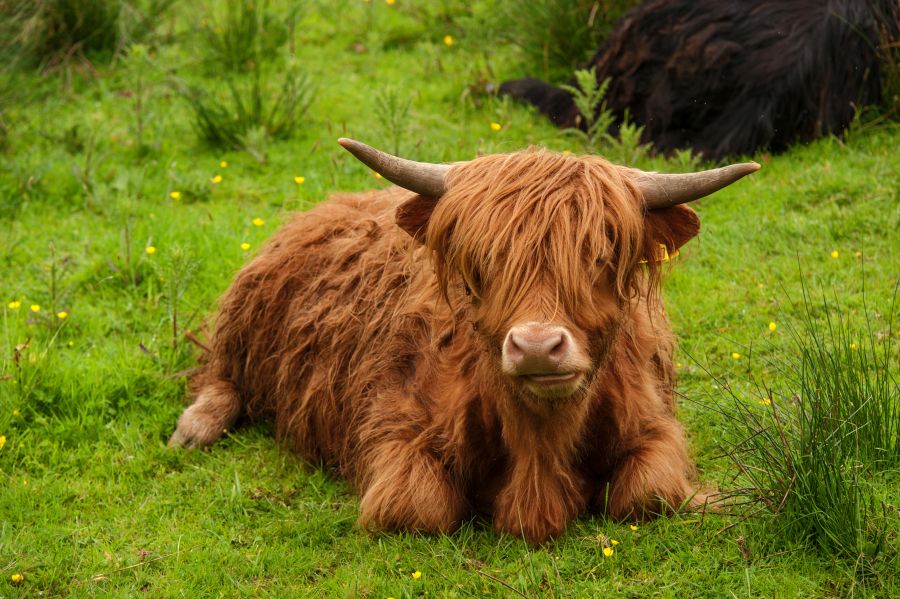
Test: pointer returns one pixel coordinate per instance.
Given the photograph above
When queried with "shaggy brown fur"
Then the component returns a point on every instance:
(377, 351)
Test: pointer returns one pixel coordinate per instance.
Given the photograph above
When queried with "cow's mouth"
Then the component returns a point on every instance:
(559, 378)
(552, 385)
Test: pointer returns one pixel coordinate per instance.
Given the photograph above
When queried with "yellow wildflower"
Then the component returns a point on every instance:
(834, 253)
(448, 40)
(853, 346)
(416, 575)
(2, 441)
(735, 355)
(765, 401)
(613, 542)
(35, 307)
(150, 249)
(62, 315)
(772, 326)
(389, 2)
(258, 222)
(633, 527)
(299, 180)
(217, 179)
(245, 246)
(175, 195)
(223, 164)
(608, 551)
(16, 413)
(14, 305)
(71, 344)
(495, 126)
(16, 578)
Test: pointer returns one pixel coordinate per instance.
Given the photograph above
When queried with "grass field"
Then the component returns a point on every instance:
(119, 229)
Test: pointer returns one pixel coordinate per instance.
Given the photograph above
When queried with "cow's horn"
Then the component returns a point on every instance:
(662, 190)
(421, 177)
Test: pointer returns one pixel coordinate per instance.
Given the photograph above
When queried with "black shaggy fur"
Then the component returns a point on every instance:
(729, 77)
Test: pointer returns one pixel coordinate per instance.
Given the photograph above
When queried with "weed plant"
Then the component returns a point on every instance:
(618, 141)
(809, 451)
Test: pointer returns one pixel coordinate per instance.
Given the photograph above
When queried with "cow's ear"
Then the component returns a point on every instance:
(672, 227)
(413, 214)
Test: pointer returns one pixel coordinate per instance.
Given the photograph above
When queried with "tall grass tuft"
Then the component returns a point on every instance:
(246, 33)
(808, 450)
(558, 36)
(251, 114)
(47, 33)
(256, 107)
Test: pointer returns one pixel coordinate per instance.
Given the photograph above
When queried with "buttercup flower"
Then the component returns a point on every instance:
(16, 578)
(245, 246)
(389, 2)
(35, 307)
(416, 575)
(834, 253)
(772, 326)
(16, 413)
(633, 527)
(217, 179)
(608, 551)
(299, 180)
(223, 164)
(853, 346)
(765, 401)
(175, 195)
(735, 355)
(62, 315)
(14, 305)
(258, 222)
(2, 441)
(613, 542)
(495, 126)
(150, 249)
(448, 40)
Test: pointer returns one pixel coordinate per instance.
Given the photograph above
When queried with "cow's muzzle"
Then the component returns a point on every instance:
(543, 357)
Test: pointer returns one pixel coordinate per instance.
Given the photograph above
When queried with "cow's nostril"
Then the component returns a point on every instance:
(559, 347)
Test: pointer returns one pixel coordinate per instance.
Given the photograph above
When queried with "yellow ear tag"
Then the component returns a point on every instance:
(663, 255)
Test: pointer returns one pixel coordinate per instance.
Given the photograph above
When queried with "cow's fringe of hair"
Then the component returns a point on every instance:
(544, 203)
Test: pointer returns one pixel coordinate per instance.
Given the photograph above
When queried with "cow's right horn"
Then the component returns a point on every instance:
(661, 190)
(421, 177)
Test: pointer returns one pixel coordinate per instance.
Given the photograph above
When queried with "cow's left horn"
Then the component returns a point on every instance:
(665, 190)
(421, 177)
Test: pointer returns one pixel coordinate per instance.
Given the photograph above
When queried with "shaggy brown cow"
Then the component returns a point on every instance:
(491, 342)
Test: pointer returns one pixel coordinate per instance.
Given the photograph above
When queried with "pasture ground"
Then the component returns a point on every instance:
(93, 503)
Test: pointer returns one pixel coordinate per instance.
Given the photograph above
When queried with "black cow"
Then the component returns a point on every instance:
(730, 77)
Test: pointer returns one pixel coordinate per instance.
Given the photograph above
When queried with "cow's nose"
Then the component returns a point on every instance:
(536, 349)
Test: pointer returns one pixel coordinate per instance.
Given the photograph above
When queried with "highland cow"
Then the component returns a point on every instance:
(488, 340)
(732, 77)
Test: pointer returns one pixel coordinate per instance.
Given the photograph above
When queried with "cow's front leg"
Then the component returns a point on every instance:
(653, 478)
(407, 488)
(539, 501)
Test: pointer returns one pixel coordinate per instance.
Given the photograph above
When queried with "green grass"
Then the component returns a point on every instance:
(91, 501)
